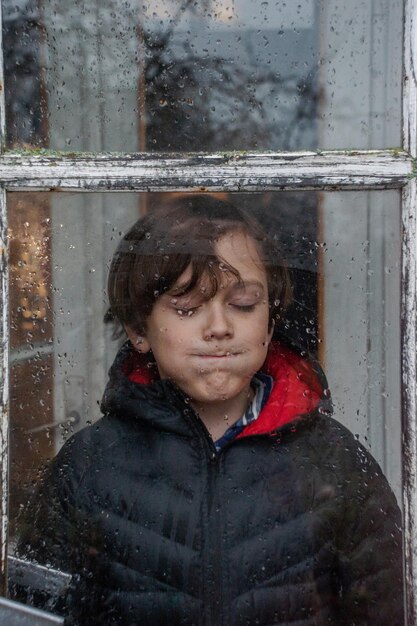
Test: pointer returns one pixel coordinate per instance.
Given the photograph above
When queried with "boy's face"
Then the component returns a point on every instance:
(212, 348)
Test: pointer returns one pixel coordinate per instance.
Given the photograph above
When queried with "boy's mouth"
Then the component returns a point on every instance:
(217, 355)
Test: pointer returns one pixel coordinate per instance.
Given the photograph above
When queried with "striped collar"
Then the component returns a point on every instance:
(262, 385)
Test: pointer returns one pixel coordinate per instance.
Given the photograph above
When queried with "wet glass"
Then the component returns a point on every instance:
(214, 75)
(342, 250)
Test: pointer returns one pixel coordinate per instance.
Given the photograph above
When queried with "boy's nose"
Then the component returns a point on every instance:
(218, 325)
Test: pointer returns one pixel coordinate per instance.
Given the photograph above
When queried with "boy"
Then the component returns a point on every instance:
(216, 490)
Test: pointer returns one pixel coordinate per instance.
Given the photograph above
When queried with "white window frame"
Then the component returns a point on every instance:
(330, 170)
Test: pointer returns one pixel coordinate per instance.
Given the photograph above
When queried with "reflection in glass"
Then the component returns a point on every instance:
(31, 337)
(108, 506)
(343, 253)
(213, 75)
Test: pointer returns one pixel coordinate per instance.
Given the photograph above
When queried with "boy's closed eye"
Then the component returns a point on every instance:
(186, 306)
(245, 297)
(241, 298)
(189, 311)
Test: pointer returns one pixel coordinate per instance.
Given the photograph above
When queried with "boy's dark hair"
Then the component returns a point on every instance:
(160, 246)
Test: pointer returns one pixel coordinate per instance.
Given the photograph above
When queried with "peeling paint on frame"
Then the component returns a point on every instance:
(212, 172)
(4, 347)
(4, 390)
(409, 314)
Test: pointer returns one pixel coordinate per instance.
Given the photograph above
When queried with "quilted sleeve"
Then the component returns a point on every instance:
(57, 532)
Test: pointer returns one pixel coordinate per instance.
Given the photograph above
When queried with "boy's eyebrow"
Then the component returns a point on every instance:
(244, 284)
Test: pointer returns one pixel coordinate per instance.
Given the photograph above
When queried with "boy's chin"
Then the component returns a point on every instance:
(221, 389)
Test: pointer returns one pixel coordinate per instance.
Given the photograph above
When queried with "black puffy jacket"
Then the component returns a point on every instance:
(291, 523)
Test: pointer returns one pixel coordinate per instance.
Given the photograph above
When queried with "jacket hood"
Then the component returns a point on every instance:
(135, 390)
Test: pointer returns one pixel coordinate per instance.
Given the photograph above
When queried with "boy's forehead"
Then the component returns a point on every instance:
(237, 265)
(238, 241)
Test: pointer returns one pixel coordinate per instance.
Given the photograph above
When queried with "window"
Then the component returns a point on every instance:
(298, 111)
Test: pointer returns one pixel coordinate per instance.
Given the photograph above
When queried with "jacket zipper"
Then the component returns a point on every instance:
(212, 551)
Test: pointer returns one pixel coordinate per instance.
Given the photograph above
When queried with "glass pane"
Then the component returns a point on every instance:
(142, 501)
(213, 75)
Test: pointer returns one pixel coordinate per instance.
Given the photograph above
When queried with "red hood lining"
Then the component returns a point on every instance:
(296, 391)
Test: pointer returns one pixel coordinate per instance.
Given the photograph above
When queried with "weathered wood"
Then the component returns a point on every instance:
(211, 172)
(4, 392)
(4, 348)
(409, 315)
(2, 96)
(409, 395)
(410, 79)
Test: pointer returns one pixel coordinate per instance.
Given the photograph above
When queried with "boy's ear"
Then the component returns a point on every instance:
(138, 340)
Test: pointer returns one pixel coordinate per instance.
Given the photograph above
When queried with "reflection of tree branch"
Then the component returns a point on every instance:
(218, 100)
(221, 66)
(167, 35)
(219, 111)
(305, 109)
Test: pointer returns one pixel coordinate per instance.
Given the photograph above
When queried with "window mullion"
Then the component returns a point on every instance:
(409, 394)
(4, 390)
(375, 169)
(4, 347)
(409, 314)
(410, 79)
(2, 93)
